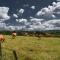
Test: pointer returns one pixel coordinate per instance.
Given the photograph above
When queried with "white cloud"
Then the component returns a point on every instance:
(50, 11)
(31, 17)
(21, 11)
(54, 4)
(53, 21)
(46, 12)
(36, 20)
(32, 7)
(4, 14)
(51, 24)
(53, 16)
(35, 27)
(27, 26)
(34, 23)
(12, 28)
(17, 20)
(23, 21)
(58, 0)
(15, 15)
(2, 25)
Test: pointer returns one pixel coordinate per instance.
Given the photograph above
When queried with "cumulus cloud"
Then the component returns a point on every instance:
(2, 25)
(31, 17)
(23, 21)
(50, 11)
(58, 0)
(21, 11)
(52, 24)
(52, 21)
(35, 26)
(4, 14)
(10, 27)
(36, 20)
(32, 7)
(54, 4)
(34, 23)
(46, 12)
(15, 15)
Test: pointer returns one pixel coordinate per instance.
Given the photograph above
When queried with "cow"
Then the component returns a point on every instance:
(2, 38)
(14, 34)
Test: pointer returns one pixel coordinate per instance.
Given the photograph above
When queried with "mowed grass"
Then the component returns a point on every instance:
(33, 48)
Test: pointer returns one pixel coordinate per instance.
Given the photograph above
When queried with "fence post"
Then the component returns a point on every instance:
(0, 51)
(15, 55)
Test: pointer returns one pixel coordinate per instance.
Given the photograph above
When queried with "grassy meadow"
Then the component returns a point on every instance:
(31, 48)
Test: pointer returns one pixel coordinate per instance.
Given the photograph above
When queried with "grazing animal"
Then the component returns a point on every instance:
(38, 36)
(48, 35)
(14, 35)
(2, 38)
(26, 34)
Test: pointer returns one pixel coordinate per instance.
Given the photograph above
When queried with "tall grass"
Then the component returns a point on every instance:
(32, 48)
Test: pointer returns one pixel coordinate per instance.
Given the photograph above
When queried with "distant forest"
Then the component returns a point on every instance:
(51, 32)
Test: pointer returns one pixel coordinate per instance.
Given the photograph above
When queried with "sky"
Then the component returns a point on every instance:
(29, 15)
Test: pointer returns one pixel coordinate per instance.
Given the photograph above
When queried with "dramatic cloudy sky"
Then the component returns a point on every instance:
(30, 15)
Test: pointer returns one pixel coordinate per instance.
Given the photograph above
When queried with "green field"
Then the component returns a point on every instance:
(31, 48)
